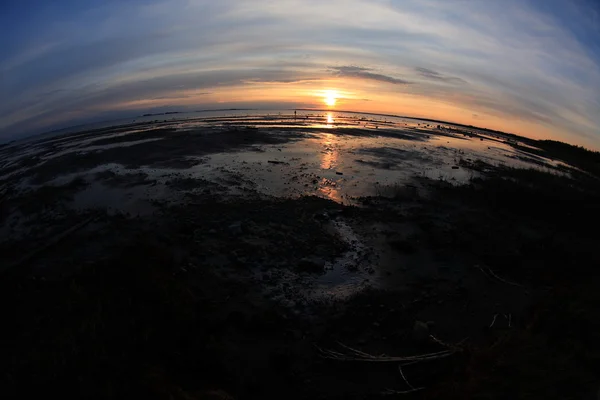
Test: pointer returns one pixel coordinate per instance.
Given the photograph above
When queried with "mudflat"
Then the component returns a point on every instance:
(309, 256)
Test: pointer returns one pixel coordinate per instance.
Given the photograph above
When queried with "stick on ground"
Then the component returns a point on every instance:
(357, 355)
(488, 272)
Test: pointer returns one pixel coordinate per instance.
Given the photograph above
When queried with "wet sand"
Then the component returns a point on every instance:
(141, 170)
(273, 235)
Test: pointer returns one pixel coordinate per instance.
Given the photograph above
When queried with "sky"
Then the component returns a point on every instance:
(530, 67)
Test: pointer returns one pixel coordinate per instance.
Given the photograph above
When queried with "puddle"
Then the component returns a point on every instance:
(133, 200)
(337, 158)
(94, 148)
(346, 275)
(342, 168)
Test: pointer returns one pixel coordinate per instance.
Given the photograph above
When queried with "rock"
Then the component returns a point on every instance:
(333, 214)
(339, 173)
(250, 227)
(235, 228)
(322, 217)
(420, 332)
(312, 264)
(455, 167)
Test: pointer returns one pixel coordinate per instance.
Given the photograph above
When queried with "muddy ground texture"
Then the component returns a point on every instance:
(486, 290)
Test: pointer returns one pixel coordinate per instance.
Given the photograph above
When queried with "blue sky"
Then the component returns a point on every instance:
(528, 67)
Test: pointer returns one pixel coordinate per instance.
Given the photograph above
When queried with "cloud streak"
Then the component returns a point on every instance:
(350, 71)
(436, 76)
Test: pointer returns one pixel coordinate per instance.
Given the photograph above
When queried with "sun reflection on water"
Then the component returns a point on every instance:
(330, 120)
(329, 154)
(329, 161)
(331, 192)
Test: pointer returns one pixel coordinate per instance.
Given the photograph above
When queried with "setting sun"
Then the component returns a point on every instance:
(330, 97)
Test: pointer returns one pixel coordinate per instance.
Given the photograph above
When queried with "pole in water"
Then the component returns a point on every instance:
(295, 113)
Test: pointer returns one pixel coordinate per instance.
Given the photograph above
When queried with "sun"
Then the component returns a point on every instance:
(330, 97)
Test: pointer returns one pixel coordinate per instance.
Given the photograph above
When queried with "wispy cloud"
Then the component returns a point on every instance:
(436, 76)
(350, 71)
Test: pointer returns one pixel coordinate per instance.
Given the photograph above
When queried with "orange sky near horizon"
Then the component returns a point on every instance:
(358, 96)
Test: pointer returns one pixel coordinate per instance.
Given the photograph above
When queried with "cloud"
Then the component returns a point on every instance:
(536, 61)
(350, 71)
(436, 76)
(178, 96)
(284, 81)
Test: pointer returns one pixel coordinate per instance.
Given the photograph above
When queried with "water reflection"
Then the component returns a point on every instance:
(330, 120)
(329, 189)
(329, 153)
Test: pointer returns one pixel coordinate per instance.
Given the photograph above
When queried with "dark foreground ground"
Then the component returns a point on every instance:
(485, 291)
